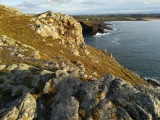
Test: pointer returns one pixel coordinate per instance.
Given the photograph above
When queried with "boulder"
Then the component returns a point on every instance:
(22, 108)
(67, 109)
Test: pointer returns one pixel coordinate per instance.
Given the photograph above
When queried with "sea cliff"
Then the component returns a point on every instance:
(48, 72)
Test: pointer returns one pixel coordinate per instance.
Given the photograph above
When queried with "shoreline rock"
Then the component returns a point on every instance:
(92, 27)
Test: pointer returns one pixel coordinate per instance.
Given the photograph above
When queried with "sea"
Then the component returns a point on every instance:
(134, 44)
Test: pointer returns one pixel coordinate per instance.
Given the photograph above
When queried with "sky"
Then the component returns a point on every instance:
(83, 7)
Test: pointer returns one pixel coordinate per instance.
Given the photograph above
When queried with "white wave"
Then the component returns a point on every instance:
(116, 41)
(114, 29)
(105, 30)
(96, 35)
(100, 34)
(153, 79)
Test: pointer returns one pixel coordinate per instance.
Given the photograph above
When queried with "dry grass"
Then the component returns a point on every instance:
(17, 27)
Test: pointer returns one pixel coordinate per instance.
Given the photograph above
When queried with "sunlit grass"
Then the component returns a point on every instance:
(18, 28)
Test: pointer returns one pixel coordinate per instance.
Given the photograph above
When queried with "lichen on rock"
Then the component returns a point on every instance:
(60, 26)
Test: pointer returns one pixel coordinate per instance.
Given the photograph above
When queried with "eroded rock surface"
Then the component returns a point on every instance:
(62, 96)
(60, 26)
(22, 108)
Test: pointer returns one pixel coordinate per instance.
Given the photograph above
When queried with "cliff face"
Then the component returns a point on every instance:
(92, 27)
(48, 72)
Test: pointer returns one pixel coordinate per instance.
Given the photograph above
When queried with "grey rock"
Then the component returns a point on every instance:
(36, 80)
(139, 105)
(22, 108)
(67, 109)
(46, 75)
(19, 90)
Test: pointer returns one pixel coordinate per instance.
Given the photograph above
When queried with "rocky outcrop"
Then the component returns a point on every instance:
(60, 26)
(22, 108)
(63, 90)
(93, 27)
(62, 96)
(18, 49)
(108, 98)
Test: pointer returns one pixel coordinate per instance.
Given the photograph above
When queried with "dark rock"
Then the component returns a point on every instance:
(153, 83)
(93, 28)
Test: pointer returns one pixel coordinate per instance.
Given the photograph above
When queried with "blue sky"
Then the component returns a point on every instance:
(86, 6)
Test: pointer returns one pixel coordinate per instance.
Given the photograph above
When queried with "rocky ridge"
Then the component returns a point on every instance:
(33, 85)
(60, 26)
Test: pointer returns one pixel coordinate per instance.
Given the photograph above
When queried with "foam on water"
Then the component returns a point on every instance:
(116, 41)
(133, 45)
(100, 34)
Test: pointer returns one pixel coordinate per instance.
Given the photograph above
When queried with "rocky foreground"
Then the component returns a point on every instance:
(68, 98)
(47, 72)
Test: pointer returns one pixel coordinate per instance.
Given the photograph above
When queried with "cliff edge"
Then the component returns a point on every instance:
(48, 72)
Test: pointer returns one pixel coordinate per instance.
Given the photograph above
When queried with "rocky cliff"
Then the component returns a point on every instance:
(93, 27)
(47, 72)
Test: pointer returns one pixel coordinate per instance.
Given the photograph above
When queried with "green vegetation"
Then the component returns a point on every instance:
(117, 17)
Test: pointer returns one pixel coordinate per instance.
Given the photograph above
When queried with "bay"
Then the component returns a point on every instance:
(134, 44)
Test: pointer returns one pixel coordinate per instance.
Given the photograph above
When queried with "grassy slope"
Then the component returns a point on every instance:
(17, 27)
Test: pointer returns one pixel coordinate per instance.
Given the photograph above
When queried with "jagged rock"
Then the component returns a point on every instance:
(36, 80)
(46, 75)
(12, 67)
(2, 67)
(23, 66)
(36, 55)
(110, 98)
(139, 105)
(91, 28)
(60, 26)
(61, 73)
(47, 87)
(67, 109)
(22, 108)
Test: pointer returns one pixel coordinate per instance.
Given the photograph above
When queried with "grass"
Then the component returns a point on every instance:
(17, 27)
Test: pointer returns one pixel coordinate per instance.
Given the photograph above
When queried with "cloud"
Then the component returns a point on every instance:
(121, 1)
(54, 2)
(32, 6)
(84, 6)
(95, 2)
(147, 3)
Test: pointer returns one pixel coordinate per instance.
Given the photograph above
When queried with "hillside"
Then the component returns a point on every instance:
(57, 47)
(46, 68)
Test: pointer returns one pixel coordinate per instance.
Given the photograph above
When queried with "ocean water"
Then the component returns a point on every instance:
(134, 44)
